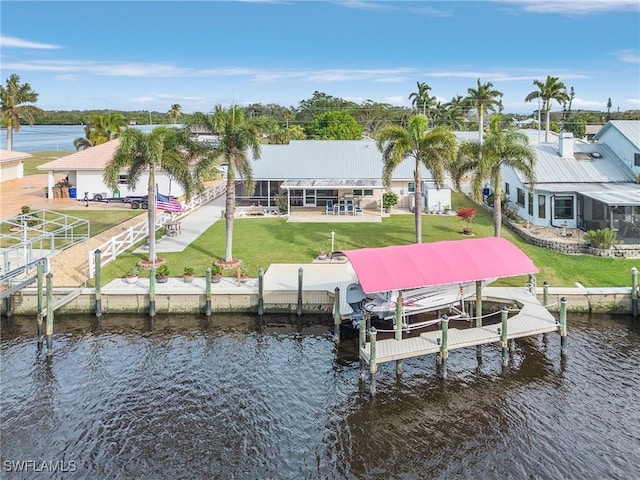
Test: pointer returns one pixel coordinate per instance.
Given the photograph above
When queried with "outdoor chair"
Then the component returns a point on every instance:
(329, 209)
(342, 208)
(350, 206)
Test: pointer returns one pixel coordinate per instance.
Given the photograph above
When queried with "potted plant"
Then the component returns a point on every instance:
(162, 273)
(468, 215)
(389, 199)
(216, 273)
(187, 275)
(132, 275)
(243, 276)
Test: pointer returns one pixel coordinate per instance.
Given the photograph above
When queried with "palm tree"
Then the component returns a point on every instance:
(175, 112)
(421, 97)
(14, 106)
(238, 136)
(483, 99)
(507, 148)
(434, 149)
(100, 129)
(165, 148)
(551, 89)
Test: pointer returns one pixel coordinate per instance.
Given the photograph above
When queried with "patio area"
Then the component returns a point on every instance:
(319, 215)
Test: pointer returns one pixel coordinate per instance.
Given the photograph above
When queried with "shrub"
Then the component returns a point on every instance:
(467, 214)
(216, 269)
(163, 270)
(389, 199)
(602, 238)
(133, 272)
(188, 271)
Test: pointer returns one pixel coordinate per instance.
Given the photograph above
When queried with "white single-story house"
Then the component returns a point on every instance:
(84, 174)
(11, 164)
(582, 184)
(311, 173)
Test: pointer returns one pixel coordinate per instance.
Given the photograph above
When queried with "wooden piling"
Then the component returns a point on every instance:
(299, 307)
(479, 316)
(49, 326)
(362, 340)
(152, 292)
(563, 323)
(373, 366)
(98, 282)
(207, 276)
(634, 292)
(398, 329)
(260, 291)
(503, 337)
(39, 318)
(545, 294)
(337, 319)
(444, 347)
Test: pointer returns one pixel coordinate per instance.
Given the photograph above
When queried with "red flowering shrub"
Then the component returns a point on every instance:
(467, 214)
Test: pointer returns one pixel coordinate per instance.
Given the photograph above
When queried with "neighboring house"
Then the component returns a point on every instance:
(591, 130)
(312, 172)
(583, 185)
(84, 173)
(11, 164)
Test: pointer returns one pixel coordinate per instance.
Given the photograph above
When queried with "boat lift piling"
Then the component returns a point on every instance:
(49, 326)
(444, 346)
(152, 292)
(260, 291)
(299, 306)
(373, 366)
(563, 325)
(337, 318)
(634, 292)
(398, 329)
(98, 282)
(479, 317)
(39, 318)
(207, 308)
(503, 336)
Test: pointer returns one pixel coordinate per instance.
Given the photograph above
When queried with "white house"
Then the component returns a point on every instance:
(582, 185)
(623, 137)
(11, 164)
(84, 171)
(313, 172)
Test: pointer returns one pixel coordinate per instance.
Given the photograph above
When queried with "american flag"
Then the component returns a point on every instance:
(168, 204)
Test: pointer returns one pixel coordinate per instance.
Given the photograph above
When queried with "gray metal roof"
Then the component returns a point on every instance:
(327, 183)
(630, 129)
(552, 168)
(327, 159)
(615, 194)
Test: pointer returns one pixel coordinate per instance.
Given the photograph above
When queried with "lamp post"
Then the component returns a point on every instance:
(333, 238)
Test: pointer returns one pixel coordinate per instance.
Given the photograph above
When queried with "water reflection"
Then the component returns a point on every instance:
(244, 397)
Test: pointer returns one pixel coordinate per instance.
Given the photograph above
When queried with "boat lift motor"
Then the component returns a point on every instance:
(356, 299)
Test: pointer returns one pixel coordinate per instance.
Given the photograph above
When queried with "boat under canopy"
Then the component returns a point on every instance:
(419, 265)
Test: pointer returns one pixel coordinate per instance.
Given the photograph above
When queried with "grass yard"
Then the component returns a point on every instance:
(39, 158)
(260, 242)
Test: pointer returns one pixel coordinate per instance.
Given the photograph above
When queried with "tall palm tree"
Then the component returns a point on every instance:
(15, 100)
(100, 129)
(551, 89)
(507, 148)
(166, 148)
(434, 149)
(483, 99)
(422, 98)
(238, 136)
(175, 112)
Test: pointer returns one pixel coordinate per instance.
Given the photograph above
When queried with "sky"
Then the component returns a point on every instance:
(149, 55)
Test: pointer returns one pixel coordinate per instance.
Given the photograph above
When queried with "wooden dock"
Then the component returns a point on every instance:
(532, 319)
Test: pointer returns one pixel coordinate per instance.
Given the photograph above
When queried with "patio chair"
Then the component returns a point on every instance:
(342, 208)
(329, 209)
(350, 206)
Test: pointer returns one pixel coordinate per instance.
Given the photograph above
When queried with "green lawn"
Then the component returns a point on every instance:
(39, 158)
(260, 242)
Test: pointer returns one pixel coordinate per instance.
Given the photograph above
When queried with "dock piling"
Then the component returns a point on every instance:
(49, 326)
(545, 293)
(39, 319)
(299, 306)
(152, 292)
(373, 367)
(444, 348)
(563, 324)
(98, 282)
(362, 340)
(503, 337)
(260, 291)
(207, 276)
(337, 319)
(479, 317)
(634, 292)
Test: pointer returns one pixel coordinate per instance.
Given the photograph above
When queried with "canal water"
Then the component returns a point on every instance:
(240, 398)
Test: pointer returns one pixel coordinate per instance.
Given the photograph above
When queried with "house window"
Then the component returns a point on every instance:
(530, 204)
(411, 187)
(563, 207)
(636, 159)
(520, 200)
(363, 193)
(507, 190)
(542, 206)
(122, 179)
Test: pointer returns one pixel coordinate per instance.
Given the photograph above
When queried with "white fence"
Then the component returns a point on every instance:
(138, 232)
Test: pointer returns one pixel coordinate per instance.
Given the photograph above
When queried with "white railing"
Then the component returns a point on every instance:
(138, 232)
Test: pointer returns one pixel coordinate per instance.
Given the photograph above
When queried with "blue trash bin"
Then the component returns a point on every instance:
(73, 192)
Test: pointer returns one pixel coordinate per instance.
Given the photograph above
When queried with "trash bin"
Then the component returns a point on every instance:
(73, 192)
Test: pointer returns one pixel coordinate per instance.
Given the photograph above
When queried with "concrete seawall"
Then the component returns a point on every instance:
(178, 297)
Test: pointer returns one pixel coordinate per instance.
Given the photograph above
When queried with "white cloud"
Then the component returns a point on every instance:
(365, 5)
(582, 104)
(628, 56)
(12, 42)
(582, 7)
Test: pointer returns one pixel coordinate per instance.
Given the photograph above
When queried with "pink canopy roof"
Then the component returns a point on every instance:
(423, 264)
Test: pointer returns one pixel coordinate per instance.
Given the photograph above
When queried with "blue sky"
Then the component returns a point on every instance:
(149, 55)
